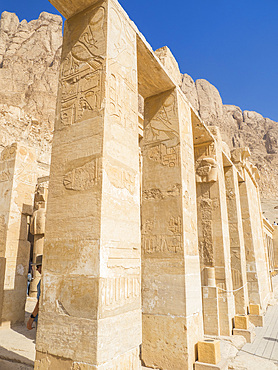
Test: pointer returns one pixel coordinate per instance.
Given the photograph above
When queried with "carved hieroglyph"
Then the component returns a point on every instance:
(91, 273)
(170, 263)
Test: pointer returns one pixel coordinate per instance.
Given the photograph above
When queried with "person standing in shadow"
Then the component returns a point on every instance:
(35, 313)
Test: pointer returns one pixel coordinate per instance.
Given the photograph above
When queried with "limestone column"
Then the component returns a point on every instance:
(256, 264)
(17, 186)
(90, 310)
(213, 229)
(275, 247)
(171, 289)
(37, 228)
(238, 260)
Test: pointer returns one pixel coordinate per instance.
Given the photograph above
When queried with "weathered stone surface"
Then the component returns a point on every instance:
(210, 102)
(189, 88)
(17, 186)
(29, 65)
(209, 351)
(91, 270)
(240, 129)
(170, 262)
(170, 63)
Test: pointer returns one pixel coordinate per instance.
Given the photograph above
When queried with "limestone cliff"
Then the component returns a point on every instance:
(239, 129)
(29, 64)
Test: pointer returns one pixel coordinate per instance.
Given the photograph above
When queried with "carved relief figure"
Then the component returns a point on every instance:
(162, 244)
(5, 176)
(119, 291)
(37, 228)
(81, 73)
(155, 193)
(84, 177)
(206, 170)
(122, 178)
(165, 156)
(164, 125)
(8, 153)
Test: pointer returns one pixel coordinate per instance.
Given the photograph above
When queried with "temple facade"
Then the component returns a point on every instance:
(150, 226)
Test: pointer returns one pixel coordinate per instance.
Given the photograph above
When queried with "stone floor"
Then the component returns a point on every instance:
(17, 345)
(262, 354)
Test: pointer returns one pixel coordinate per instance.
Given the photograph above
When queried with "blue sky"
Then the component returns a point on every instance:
(231, 43)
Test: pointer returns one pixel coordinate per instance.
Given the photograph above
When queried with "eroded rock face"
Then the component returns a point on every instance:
(239, 129)
(29, 64)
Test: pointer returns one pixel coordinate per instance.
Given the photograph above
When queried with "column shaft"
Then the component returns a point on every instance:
(171, 292)
(90, 311)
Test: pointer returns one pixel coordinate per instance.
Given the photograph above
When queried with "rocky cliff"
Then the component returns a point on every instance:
(29, 64)
(239, 128)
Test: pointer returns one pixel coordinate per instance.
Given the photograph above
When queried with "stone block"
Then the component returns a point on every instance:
(257, 320)
(241, 322)
(209, 351)
(254, 309)
(249, 334)
(222, 365)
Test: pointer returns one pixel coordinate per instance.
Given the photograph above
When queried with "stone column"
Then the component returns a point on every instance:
(256, 264)
(90, 309)
(275, 246)
(238, 260)
(171, 290)
(37, 228)
(17, 186)
(213, 228)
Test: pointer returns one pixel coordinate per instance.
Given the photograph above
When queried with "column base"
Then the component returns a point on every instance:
(5, 325)
(127, 361)
(257, 320)
(248, 334)
(222, 365)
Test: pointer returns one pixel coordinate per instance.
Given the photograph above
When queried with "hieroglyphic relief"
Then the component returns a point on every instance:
(169, 157)
(3, 228)
(205, 150)
(164, 125)
(5, 176)
(81, 73)
(122, 178)
(206, 245)
(206, 238)
(120, 107)
(84, 177)
(8, 153)
(122, 51)
(175, 225)
(123, 95)
(165, 244)
(119, 291)
(157, 194)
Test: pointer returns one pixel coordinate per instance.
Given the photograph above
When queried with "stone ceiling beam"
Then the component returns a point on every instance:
(68, 8)
(152, 77)
(201, 133)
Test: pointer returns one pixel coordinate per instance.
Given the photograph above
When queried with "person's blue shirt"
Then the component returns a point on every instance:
(38, 296)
